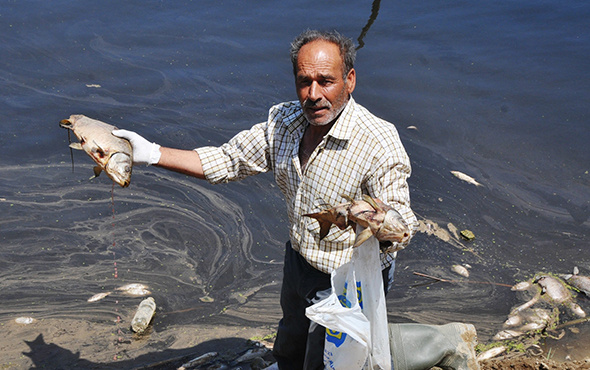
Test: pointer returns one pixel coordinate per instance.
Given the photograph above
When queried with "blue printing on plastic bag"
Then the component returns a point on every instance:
(337, 337)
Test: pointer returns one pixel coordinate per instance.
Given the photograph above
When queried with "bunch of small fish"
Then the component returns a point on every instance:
(378, 219)
(112, 154)
(552, 290)
(545, 288)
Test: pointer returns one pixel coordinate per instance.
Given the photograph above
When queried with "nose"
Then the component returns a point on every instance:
(314, 93)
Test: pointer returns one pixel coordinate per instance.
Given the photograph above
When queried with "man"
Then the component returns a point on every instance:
(319, 148)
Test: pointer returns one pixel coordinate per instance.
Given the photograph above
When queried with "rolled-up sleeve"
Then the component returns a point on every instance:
(244, 155)
(388, 182)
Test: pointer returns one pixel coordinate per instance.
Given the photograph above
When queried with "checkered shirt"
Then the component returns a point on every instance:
(361, 154)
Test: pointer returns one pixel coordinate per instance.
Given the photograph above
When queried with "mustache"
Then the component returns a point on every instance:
(316, 104)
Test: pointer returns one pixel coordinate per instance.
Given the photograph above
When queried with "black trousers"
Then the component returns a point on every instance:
(298, 344)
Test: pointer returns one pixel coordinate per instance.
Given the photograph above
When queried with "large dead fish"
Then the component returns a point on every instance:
(378, 219)
(112, 154)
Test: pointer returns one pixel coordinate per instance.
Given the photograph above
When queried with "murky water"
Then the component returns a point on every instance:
(498, 91)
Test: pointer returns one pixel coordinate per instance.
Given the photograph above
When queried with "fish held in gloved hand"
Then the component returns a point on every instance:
(378, 219)
(112, 154)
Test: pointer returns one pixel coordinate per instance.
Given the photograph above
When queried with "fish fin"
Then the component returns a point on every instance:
(100, 150)
(372, 202)
(347, 197)
(362, 237)
(76, 146)
(324, 224)
(97, 171)
(324, 228)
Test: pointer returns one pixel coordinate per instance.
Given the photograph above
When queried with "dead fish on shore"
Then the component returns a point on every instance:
(558, 292)
(98, 296)
(466, 178)
(378, 219)
(526, 321)
(112, 154)
(582, 283)
(490, 353)
(540, 316)
(507, 334)
(25, 320)
(135, 289)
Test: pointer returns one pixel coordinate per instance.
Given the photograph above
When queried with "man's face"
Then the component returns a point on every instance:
(321, 88)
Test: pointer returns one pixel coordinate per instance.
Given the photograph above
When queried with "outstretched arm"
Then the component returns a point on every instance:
(187, 162)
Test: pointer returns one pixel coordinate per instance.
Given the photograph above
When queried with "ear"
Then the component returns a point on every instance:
(351, 81)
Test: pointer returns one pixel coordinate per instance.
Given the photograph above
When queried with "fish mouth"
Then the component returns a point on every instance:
(119, 169)
(393, 228)
(65, 123)
(123, 182)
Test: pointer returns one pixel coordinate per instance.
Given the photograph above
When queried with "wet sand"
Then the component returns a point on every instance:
(62, 343)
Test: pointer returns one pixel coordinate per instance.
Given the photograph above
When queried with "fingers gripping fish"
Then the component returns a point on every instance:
(112, 154)
(378, 219)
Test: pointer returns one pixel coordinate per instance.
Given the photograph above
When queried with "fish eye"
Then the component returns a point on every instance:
(127, 169)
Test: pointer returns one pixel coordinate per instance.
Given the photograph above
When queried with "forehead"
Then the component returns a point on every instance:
(319, 57)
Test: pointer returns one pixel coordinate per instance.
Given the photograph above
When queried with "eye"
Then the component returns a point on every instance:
(303, 82)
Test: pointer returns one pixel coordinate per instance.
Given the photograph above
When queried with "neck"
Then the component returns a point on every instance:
(319, 131)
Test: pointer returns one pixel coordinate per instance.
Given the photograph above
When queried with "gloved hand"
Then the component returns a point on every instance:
(144, 152)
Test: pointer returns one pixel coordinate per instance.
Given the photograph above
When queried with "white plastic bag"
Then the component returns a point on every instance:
(355, 319)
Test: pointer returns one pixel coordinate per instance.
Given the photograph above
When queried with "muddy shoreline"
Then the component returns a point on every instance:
(101, 338)
(58, 343)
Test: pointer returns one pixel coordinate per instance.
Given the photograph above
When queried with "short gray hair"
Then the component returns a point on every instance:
(345, 44)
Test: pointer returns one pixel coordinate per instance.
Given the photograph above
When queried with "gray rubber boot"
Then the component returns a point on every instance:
(417, 346)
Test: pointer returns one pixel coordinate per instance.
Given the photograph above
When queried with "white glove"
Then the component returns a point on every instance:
(144, 152)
